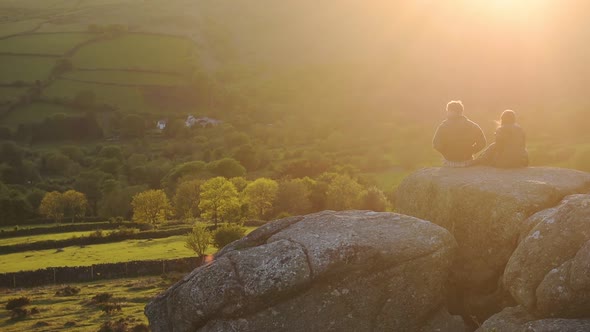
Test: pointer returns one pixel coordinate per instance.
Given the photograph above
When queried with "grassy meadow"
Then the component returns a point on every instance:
(128, 99)
(126, 78)
(130, 250)
(42, 237)
(8, 29)
(79, 310)
(50, 44)
(136, 51)
(25, 69)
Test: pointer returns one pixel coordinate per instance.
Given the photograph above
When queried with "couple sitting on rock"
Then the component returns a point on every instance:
(457, 138)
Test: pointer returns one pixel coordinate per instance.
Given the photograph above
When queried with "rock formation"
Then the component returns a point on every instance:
(329, 271)
(485, 209)
(549, 272)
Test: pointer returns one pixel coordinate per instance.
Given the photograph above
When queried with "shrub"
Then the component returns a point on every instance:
(123, 231)
(102, 297)
(17, 303)
(18, 313)
(198, 240)
(68, 291)
(109, 308)
(96, 234)
(258, 223)
(114, 326)
(227, 234)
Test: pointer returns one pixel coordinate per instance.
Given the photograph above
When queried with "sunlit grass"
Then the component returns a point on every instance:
(130, 250)
(132, 294)
(124, 251)
(42, 237)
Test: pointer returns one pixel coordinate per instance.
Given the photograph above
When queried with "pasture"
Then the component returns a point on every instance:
(35, 112)
(46, 43)
(126, 77)
(138, 51)
(24, 68)
(42, 237)
(128, 99)
(11, 94)
(130, 250)
(11, 28)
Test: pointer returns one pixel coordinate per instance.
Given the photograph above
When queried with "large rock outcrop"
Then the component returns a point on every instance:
(329, 271)
(549, 272)
(485, 209)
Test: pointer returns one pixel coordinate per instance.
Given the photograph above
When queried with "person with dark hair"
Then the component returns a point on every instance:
(509, 150)
(457, 138)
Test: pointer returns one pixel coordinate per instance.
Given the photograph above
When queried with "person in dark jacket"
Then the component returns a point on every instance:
(509, 150)
(457, 138)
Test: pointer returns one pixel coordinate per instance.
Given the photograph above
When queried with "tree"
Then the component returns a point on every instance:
(74, 204)
(198, 240)
(218, 197)
(150, 206)
(52, 206)
(227, 234)
(226, 167)
(343, 193)
(132, 126)
(375, 200)
(117, 203)
(187, 199)
(260, 195)
(293, 197)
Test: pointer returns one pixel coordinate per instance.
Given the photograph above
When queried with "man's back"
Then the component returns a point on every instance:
(458, 138)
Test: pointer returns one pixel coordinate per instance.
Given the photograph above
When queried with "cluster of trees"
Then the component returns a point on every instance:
(57, 206)
(237, 199)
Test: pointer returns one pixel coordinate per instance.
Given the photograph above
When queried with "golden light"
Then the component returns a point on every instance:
(511, 9)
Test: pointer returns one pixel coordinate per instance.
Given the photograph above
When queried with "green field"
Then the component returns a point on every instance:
(26, 69)
(126, 98)
(130, 250)
(122, 77)
(56, 311)
(135, 51)
(42, 237)
(35, 112)
(11, 94)
(7, 29)
(53, 43)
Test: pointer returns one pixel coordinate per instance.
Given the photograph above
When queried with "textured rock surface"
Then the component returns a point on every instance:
(549, 269)
(485, 209)
(517, 319)
(329, 271)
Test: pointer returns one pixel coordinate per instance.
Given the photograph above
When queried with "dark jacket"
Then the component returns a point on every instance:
(458, 138)
(510, 150)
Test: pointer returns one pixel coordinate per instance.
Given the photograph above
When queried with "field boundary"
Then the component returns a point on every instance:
(79, 274)
(92, 240)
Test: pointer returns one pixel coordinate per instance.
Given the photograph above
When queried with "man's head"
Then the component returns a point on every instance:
(508, 117)
(455, 107)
